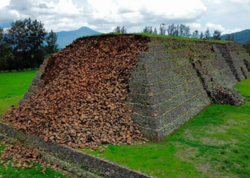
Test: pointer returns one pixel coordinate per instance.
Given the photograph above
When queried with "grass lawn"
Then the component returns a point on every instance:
(213, 144)
(12, 88)
(14, 84)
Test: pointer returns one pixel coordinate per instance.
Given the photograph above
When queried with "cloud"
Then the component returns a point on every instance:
(104, 16)
(245, 2)
(44, 6)
(212, 27)
(130, 13)
(139, 11)
(213, 1)
(20, 6)
(228, 31)
(4, 3)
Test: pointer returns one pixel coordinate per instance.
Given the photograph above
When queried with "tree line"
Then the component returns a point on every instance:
(25, 45)
(184, 31)
(179, 30)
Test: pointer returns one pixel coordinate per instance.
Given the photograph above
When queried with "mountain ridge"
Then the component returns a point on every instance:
(240, 37)
(65, 38)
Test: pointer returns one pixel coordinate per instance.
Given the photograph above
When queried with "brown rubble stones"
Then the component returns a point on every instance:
(83, 101)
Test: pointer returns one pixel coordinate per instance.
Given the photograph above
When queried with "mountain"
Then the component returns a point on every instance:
(240, 37)
(67, 37)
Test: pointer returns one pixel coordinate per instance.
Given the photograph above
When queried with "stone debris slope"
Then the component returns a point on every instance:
(20, 156)
(83, 101)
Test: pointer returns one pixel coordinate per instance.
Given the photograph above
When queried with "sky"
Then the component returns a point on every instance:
(227, 16)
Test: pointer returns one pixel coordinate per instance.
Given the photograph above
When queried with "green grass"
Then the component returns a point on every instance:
(154, 35)
(35, 172)
(213, 144)
(15, 83)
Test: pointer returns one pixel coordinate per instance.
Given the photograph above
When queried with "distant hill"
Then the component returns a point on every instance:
(240, 37)
(67, 37)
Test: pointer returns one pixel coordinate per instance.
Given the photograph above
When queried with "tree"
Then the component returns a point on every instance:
(2, 51)
(217, 35)
(118, 29)
(176, 30)
(2, 43)
(230, 37)
(26, 39)
(51, 47)
(195, 34)
(179, 30)
(123, 30)
(1, 36)
(162, 29)
(207, 34)
(17, 38)
(36, 37)
(148, 29)
(186, 31)
(155, 31)
(6, 56)
(171, 30)
(201, 35)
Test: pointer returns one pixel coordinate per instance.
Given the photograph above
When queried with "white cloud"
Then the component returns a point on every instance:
(4, 3)
(212, 27)
(136, 11)
(104, 16)
(194, 26)
(213, 1)
(64, 6)
(228, 31)
(240, 1)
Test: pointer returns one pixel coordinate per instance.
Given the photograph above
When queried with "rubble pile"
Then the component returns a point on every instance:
(20, 156)
(83, 101)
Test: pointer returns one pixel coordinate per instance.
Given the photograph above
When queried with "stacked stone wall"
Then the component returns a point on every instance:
(240, 59)
(165, 90)
(218, 67)
(176, 79)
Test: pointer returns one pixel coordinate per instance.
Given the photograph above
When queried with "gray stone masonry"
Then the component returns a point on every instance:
(168, 87)
(165, 91)
(215, 90)
(234, 56)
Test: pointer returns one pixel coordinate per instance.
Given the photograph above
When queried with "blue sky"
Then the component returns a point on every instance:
(62, 15)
